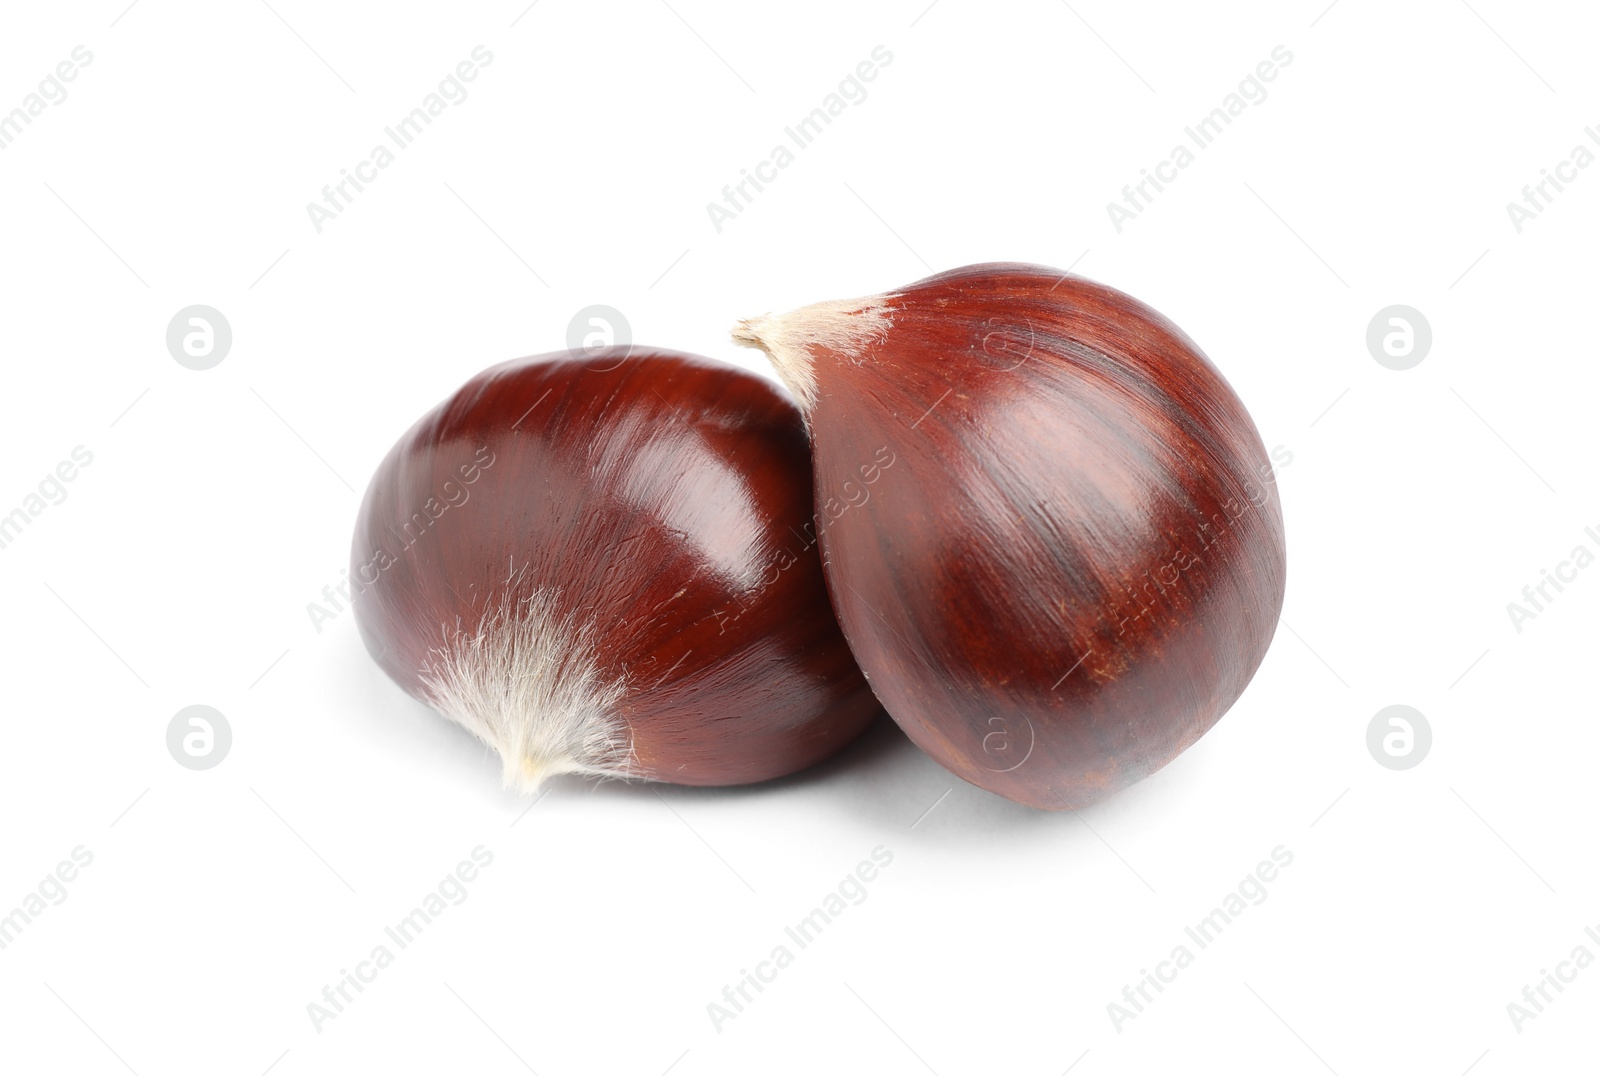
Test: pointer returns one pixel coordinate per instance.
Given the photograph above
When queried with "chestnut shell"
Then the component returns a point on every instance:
(665, 500)
(1076, 561)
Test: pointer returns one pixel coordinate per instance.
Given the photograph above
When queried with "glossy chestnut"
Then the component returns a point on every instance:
(603, 564)
(1075, 561)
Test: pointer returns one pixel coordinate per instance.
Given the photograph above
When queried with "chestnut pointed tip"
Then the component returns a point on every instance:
(527, 683)
(527, 773)
(747, 332)
(794, 366)
(792, 341)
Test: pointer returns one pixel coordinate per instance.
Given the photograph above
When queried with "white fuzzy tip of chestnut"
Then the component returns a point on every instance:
(846, 327)
(526, 682)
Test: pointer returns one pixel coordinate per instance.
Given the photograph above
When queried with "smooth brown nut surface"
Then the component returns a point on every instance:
(605, 564)
(1049, 526)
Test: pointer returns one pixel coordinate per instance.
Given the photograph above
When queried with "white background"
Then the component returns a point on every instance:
(219, 504)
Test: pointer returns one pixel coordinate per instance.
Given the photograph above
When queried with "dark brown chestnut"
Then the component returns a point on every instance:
(1048, 525)
(604, 564)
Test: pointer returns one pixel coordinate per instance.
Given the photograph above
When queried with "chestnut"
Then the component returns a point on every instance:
(603, 563)
(1074, 560)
